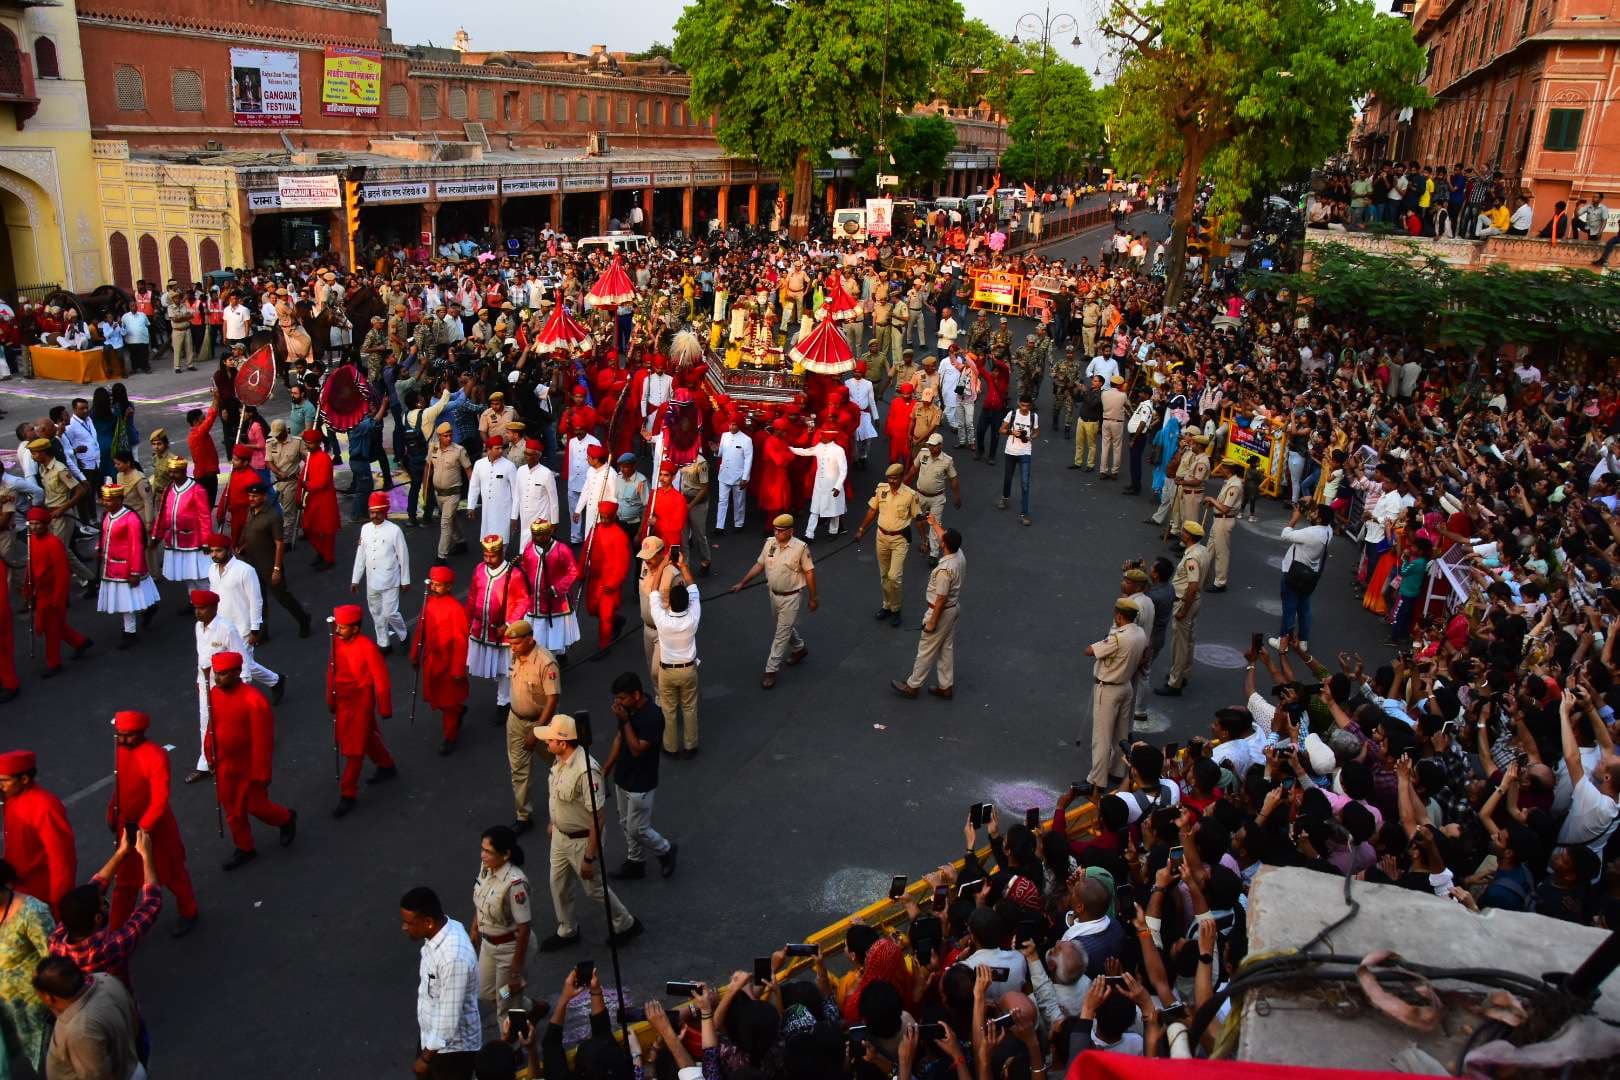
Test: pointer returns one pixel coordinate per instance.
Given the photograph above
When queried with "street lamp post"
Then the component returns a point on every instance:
(1045, 25)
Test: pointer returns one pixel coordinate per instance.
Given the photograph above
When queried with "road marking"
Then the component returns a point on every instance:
(105, 782)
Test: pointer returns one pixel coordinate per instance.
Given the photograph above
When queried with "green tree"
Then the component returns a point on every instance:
(979, 65)
(1053, 123)
(653, 51)
(918, 145)
(1243, 92)
(788, 82)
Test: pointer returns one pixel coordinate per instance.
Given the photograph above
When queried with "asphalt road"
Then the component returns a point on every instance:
(802, 804)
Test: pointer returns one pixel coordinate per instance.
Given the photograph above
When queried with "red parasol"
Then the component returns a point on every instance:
(345, 398)
(841, 307)
(256, 378)
(562, 331)
(824, 351)
(612, 288)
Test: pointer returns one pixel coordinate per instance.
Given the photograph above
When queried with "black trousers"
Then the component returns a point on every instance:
(282, 594)
(986, 430)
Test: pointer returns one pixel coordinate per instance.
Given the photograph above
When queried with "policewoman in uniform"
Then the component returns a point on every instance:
(576, 835)
(500, 926)
(789, 571)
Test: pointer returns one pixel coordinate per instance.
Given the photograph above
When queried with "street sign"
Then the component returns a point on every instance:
(887, 181)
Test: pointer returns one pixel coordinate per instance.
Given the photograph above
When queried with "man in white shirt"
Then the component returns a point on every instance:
(656, 389)
(585, 457)
(241, 603)
(1106, 366)
(947, 333)
(137, 338)
(455, 332)
(536, 490)
(1523, 217)
(79, 438)
(382, 559)
(449, 1031)
(1243, 743)
(1594, 809)
(736, 466)
(677, 621)
(1526, 371)
(237, 320)
(213, 634)
(494, 483)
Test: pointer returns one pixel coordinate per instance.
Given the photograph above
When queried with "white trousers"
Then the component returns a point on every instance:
(252, 671)
(731, 495)
(385, 616)
(815, 519)
(576, 526)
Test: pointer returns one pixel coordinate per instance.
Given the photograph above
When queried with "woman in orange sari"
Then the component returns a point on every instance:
(1380, 576)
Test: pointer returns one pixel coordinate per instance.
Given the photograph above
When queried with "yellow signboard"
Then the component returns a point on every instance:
(998, 291)
(351, 82)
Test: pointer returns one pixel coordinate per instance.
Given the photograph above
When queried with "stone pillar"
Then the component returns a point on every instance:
(753, 205)
(554, 209)
(337, 238)
(496, 231)
(430, 224)
(604, 211)
(686, 211)
(647, 209)
(723, 211)
(832, 196)
(246, 239)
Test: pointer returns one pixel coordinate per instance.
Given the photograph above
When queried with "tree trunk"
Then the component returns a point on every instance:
(1175, 273)
(803, 183)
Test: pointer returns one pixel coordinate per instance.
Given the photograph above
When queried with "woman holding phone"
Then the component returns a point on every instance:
(501, 917)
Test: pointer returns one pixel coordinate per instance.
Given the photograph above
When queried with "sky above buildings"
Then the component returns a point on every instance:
(631, 24)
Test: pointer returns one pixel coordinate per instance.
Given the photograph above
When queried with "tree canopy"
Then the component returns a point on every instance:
(1053, 123)
(919, 146)
(1244, 93)
(653, 51)
(790, 82)
(979, 65)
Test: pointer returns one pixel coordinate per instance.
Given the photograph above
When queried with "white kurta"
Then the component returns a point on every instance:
(494, 483)
(536, 497)
(861, 396)
(598, 486)
(827, 497)
(240, 602)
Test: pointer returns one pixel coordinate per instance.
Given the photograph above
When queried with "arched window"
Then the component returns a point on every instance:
(399, 101)
(537, 107)
(46, 65)
(129, 91)
(179, 260)
(486, 103)
(208, 255)
(582, 110)
(151, 269)
(601, 110)
(428, 101)
(186, 90)
(658, 113)
(559, 109)
(458, 103)
(621, 111)
(118, 249)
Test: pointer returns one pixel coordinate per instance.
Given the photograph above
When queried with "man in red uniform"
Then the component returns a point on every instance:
(47, 589)
(141, 799)
(234, 505)
(440, 651)
(579, 416)
(318, 502)
(667, 511)
(200, 441)
(357, 690)
(897, 426)
(39, 840)
(607, 566)
(240, 743)
(772, 485)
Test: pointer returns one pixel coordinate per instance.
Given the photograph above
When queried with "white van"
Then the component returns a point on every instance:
(973, 206)
(619, 243)
(849, 224)
(948, 202)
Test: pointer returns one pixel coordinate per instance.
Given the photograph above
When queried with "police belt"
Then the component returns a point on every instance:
(574, 835)
(891, 532)
(931, 494)
(669, 667)
(789, 592)
(499, 939)
(1105, 682)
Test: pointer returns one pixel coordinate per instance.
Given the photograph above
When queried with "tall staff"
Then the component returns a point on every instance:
(213, 739)
(331, 691)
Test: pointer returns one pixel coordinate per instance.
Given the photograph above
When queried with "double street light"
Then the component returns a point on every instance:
(1044, 26)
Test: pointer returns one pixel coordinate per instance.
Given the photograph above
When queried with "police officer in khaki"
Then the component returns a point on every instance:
(1133, 586)
(500, 925)
(62, 492)
(895, 507)
(1190, 481)
(790, 573)
(931, 473)
(285, 454)
(448, 472)
(576, 835)
(1187, 583)
(937, 649)
(1116, 404)
(1117, 656)
(536, 686)
(1225, 505)
(656, 573)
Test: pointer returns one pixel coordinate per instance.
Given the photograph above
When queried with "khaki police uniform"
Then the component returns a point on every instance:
(1227, 501)
(574, 782)
(896, 510)
(58, 484)
(1190, 479)
(1189, 571)
(785, 567)
(1115, 403)
(937, 649)
(286, 458)
(1146, 610)
(935, 471)
(534, 677)
(501, 904)
(645, 583)
(1117, 658)
(447, 468)
(693, 482)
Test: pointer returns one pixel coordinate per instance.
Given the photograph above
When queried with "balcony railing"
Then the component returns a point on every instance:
(17, 84)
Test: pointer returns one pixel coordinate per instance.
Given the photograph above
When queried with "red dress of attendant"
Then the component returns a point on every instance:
(141, 798)
(667, 514)
(548, 590)
(495, 598)
(182, 522)
(609, 565)
(357, 689)
(235, 502)
(121, 549)
(240, 745)
(441, 648)
(39, 842)
(320, 505)
(48, 567)
(772, 486)
(897, 426)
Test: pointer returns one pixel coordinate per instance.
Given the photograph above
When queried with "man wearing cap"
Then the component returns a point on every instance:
(214, 633)
(863, 396)
(575, 807)
(736, 464)
(607, 564)
(493, 421)
(936, 651)
(284, 455)
(1224, 506)
(62, 492)
(898, 426)
(789, 572)
(536, 490)
(1117, 656)
(233, 507)
(1190, 479)
(667, 511)
(1115, 403)
(932, 474)
(38, 838)
(495, 596)
(46, 587)
(382, 559)
(1187, 583)
(1133, 586)
(140, 799)
(449, 471)
(182, 527)
(357, 691)
(241, 602)
(126, 588)
(318, 502)
(630, 492)
(655, 575)
(536, 689)
(692, 481)
(895, 508)
(514, 445)
(549, 572)
(240, 743)
(439, 650)
(494, 483)
(162, 476)
(597, 485)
